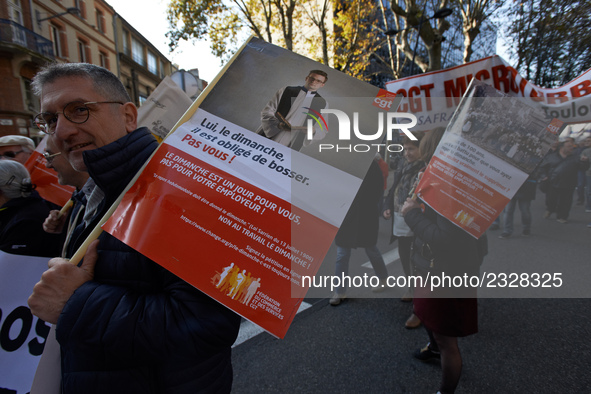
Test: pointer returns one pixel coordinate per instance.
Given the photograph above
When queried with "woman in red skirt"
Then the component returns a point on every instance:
(446, 312)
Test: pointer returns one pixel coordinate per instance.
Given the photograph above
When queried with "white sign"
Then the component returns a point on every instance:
(22, 335)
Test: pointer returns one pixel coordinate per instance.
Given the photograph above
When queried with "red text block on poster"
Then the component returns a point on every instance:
(226, 237)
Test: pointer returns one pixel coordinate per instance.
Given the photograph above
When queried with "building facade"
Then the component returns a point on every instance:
(36, 32)
(140, 65)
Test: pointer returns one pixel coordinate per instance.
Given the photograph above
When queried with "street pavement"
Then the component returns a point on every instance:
(536, 344)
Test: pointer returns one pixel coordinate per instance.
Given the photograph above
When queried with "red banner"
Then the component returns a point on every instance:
(433, 96)
(46, 178)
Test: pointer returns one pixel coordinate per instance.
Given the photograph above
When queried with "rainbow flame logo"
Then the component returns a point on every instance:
(316, 115)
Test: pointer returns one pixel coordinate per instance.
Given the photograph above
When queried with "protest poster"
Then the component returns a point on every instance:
(163, 108)
(434, 96)
(491, 145)
(46, 179)
(22, 335)
(242, 217)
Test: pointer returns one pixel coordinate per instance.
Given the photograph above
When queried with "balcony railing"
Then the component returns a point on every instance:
(14, 33)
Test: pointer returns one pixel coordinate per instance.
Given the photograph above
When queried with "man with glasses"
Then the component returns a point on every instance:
(16, 147)
(284, 117)
(124, 323)
(66, 175)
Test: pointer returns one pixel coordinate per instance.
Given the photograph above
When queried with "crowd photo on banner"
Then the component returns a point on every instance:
(139, 243)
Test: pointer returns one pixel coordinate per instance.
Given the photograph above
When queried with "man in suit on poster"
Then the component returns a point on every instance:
(284, 117)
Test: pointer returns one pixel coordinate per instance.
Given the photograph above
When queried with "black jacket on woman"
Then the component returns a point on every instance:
(403, 183)
(450, 310)
(361, 224)
(136, 327)
(452, 250)
(21, 227)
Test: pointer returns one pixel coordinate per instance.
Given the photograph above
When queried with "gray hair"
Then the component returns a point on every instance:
(105, 82)
(15, 180)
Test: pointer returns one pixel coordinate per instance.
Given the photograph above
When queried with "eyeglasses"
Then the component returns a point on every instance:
(76, 112)
(50, 156)
(312, 80)
(10, 154)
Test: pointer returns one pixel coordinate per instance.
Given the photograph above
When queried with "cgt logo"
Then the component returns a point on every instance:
(389, 125)
(384, 99)
(555, 126)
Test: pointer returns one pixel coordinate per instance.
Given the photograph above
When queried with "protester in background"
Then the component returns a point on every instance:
(581, 179)
(22, 212)
(497, 223)
(587, 153)
(360, 230)
(441, 246)
(553, 148)
(383, 167)
(385, 174)
(124, 323)
(404, 180)
(523, 198)
(66, 175)
(558, 172)
(16, 147)
(396, 159)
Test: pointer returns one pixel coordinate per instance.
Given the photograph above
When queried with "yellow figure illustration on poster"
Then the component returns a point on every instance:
(237, 284)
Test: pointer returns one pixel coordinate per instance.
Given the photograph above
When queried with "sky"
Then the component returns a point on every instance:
(149, 18)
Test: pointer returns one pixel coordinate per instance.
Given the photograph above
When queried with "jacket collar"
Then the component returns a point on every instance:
(114, 165)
